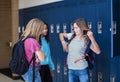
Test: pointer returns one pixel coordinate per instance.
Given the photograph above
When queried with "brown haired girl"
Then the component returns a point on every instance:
(76, 46)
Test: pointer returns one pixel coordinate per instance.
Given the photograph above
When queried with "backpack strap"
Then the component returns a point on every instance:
(33, 80)
(88, 47)
(33, 57)
(86, 51)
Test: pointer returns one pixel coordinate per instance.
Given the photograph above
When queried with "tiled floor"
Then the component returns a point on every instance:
(4, 78)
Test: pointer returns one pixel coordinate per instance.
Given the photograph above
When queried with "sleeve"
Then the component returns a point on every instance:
(33, 45)
(51, 64)
(69, 35)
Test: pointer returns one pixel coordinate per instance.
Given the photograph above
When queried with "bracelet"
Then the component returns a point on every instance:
(63, 41)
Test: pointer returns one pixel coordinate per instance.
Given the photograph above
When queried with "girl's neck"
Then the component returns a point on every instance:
(79, 37)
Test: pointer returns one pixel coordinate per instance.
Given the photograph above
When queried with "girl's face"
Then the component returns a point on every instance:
(45, 31)
(77, 29)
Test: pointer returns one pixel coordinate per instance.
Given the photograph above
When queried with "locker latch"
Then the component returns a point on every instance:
(65, 69)
(112, 78)
(114, 27)
(90, 25)
(51, 28)
(64, 27)
(100, 77)
(58, 68)
(58, 28)
(99, 24)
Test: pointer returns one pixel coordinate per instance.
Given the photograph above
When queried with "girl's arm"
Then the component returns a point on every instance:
(94, 46)
(40, 55)
(64, 43)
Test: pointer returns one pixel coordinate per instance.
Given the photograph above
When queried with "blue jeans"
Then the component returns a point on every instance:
(28, 76)
(79, 75)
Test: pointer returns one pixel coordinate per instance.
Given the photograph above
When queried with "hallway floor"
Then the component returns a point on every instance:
(4, 78)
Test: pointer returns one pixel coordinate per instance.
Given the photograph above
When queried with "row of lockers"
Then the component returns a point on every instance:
(65, 27)
(99, 15)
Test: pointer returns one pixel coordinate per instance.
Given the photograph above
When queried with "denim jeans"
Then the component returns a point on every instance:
(79, 75)
(28, 76)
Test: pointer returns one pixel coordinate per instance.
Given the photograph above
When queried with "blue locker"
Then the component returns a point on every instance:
(103, 63)
(103, 17)
(115, 66)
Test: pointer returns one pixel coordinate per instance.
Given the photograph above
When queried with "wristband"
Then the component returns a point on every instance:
(63, 41)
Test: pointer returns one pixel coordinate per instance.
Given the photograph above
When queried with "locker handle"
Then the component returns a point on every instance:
(114, 27)
(99, 27)
(65, 69)
(9, 44)
(112, 78)
(58, 68)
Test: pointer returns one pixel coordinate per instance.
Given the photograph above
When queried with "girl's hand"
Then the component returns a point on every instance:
(94, 46)
(90, 35)
(37, 59)
(52, 74)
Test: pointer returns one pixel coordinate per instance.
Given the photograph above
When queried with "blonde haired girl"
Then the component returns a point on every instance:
(31, 36)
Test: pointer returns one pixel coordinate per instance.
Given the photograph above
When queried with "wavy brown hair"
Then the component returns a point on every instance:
(82, 24)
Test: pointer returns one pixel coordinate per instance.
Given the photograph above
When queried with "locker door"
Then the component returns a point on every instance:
(116, 29)
(104, 39)
(115, 34)
(59, 54)
(92, 23)
(53, 51)
(55, 44)
(65, 28)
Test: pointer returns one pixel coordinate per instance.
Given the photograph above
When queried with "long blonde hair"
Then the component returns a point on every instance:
(34, 29)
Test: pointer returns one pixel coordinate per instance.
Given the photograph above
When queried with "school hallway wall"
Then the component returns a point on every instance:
(103, 18)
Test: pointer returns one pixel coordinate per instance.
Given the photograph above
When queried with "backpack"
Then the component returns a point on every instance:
(18, 63)
(90, 57)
